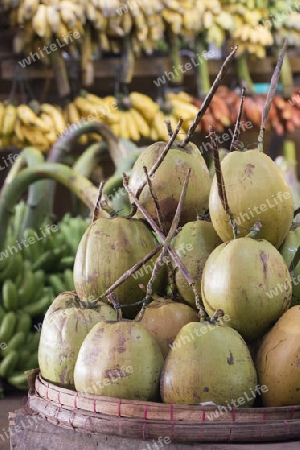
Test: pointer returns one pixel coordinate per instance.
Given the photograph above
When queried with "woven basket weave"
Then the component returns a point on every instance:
(148, 420)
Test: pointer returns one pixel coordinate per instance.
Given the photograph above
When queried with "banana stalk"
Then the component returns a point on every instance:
(12, 192)
(64, 144)
(176, 58)
(286, 78)
(203, 83)
(36, 206)
(89, 159)
(243, 72)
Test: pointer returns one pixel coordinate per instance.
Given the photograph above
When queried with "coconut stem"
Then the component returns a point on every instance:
(98, 203)
(209, 96)
(296, 212)
(270, 96)
(220, 181)
(131, 271)
(159, 213)
(156, 166)
(254, 230)
(113, 300)
(171, 251)
(238, 121)
(160, 260)
(295, 260)
(169, 127)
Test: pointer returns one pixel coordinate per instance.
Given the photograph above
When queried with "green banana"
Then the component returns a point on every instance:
(13, 267)
(27, 290)
(32, 342)
(19, 380)
(9, 295)
(57, 284)
(24, 356)
(15, 343)
(24, 322)
(34, 247)
(67, 262)
(7, 326)
(69, 283)
(40, 307)
(9, 363)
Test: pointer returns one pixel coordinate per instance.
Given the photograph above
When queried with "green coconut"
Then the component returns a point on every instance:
(119, 359)
(108, 248)
(208, 363)
(278, 359)
(256, 191)
(65, 326)
(168, 180)
(249, 280)
(288, 250)
(194, 243)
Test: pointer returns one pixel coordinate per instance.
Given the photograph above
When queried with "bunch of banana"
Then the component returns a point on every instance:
(21, 126)
(45, 22)
(284, 21)
(33, 271)
(248, 31)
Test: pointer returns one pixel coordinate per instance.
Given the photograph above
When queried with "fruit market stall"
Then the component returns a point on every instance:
(149, 224)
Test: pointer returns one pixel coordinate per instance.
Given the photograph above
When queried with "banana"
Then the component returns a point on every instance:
(24, 323)
(53, 17)
(57, 284)
(8, 364)
(13, 266)
(9, 120)
(32, 239)
(26, 114)
(30, 8)
(27, 290)
(133, 130)
(39, 307)
(19, 380)
(39, 21)
(68, 277)
(9, 295)
(2, 115)
(7, 326)
(140, 122)
(56, 117)
(32, 342)
(15, 343)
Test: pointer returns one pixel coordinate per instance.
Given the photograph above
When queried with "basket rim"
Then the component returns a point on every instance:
(148, 409)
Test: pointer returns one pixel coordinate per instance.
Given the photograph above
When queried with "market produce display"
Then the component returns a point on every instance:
(241, 282)
(137, 117)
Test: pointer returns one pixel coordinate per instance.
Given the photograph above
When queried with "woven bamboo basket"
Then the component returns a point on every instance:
(149, 420)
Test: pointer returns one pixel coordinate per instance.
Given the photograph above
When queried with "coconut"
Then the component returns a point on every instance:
(256, 191)
(168, 180)
(208, 363)
(108, 248)
(66, 324)
(119, 359)
(249, 280)
(278, 359)
(288, 250)
(193, 244)
(164, 318)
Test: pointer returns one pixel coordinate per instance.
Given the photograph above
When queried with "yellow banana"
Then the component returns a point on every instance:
(56, 117)
(9, 120)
